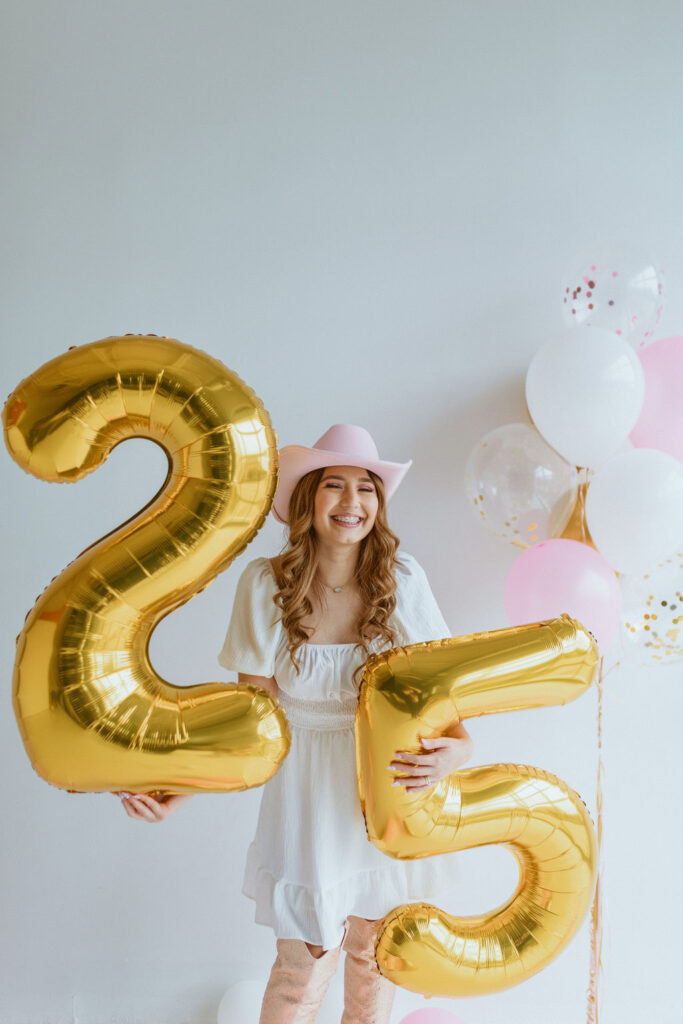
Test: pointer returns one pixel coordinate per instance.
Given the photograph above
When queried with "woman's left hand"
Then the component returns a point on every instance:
(447, 754)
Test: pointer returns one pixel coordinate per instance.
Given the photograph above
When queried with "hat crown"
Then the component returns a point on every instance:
(349, 439)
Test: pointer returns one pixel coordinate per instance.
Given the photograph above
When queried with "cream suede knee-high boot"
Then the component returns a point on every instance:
(368, 995)
(297, 984)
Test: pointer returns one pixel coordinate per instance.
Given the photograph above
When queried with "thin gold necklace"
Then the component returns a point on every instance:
(336, 590)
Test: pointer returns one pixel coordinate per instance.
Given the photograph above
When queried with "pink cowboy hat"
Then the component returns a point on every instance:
(342, 445)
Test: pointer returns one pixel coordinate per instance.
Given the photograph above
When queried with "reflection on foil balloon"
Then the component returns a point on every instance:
(418, 691)
(93, 713)
(652, 618)
(522, 490)
(615, 287)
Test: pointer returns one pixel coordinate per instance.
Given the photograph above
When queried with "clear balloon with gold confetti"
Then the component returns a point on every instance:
(518, 486)
(652, 618)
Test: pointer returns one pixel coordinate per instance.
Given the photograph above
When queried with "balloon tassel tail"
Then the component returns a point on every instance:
(593, 1007)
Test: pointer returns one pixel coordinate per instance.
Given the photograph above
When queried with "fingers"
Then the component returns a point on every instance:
(415, 759)
(415, 769)
(433, 745)
(409, 761)
(414, 783)
(149, 806)
(142, 807)
(421, 767)
(129, 808)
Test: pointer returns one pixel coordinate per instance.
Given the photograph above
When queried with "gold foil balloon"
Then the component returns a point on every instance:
(93, 713)
(576, 528)
(418, 691)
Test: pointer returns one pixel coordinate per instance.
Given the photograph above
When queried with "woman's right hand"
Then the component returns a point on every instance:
(144, 807)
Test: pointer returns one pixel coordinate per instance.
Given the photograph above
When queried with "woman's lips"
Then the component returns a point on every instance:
(348, 526)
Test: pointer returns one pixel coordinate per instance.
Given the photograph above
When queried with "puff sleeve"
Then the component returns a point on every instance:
(417, 614)
(254, 629)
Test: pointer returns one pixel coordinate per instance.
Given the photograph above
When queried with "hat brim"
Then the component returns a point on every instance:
(296, 460)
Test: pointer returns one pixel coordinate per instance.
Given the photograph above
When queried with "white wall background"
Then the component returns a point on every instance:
(365, 210)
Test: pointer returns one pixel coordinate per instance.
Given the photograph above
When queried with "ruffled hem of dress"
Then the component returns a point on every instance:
(298, 911)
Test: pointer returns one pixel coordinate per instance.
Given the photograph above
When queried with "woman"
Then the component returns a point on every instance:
(302, 626)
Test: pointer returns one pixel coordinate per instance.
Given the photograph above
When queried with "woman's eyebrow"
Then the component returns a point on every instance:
(361, 479)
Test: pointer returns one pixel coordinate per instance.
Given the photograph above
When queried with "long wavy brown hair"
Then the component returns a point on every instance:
(298, 564)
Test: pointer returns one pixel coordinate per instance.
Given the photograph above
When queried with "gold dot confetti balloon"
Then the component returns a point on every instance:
(518, 486)
(93, 713)
(418, 691)
(652, 615)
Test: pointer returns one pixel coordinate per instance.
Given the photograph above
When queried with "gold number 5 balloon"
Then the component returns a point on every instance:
(416, 691)
(93, 713)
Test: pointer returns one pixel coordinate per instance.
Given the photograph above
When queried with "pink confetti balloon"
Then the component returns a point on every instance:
(564, 576)
(428, 1016)
(615, 286)
(660, 424)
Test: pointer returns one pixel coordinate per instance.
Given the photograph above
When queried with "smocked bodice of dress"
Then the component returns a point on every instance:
(256, 642)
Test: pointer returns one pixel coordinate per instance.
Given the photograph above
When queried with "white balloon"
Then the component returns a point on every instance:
(242, 1002)
(634, 509)
(584, 392)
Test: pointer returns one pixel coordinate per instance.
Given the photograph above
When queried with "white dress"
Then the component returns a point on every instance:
(310, 863)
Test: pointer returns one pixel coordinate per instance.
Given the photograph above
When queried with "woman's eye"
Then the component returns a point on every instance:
(368, 490)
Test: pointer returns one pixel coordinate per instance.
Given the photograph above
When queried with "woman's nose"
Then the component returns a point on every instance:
(351, 498)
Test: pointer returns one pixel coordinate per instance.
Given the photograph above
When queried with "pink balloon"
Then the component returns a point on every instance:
(660, 424)
(564, 576)
(434, 1016)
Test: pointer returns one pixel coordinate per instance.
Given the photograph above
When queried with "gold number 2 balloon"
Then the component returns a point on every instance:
(418, 691)
(93, 713)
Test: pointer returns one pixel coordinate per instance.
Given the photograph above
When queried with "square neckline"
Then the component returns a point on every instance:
(308, 643)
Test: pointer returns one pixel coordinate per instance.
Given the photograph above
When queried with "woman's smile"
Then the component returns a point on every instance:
(348, 522)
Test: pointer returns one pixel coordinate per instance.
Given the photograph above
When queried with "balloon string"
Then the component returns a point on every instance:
(582, 502)
(593, 1009)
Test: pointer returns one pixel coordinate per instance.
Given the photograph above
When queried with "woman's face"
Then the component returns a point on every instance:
(345, 505)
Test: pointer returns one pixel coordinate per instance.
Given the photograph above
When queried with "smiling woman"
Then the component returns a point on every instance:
(344, 591)
(302, 627)
(348, 497)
